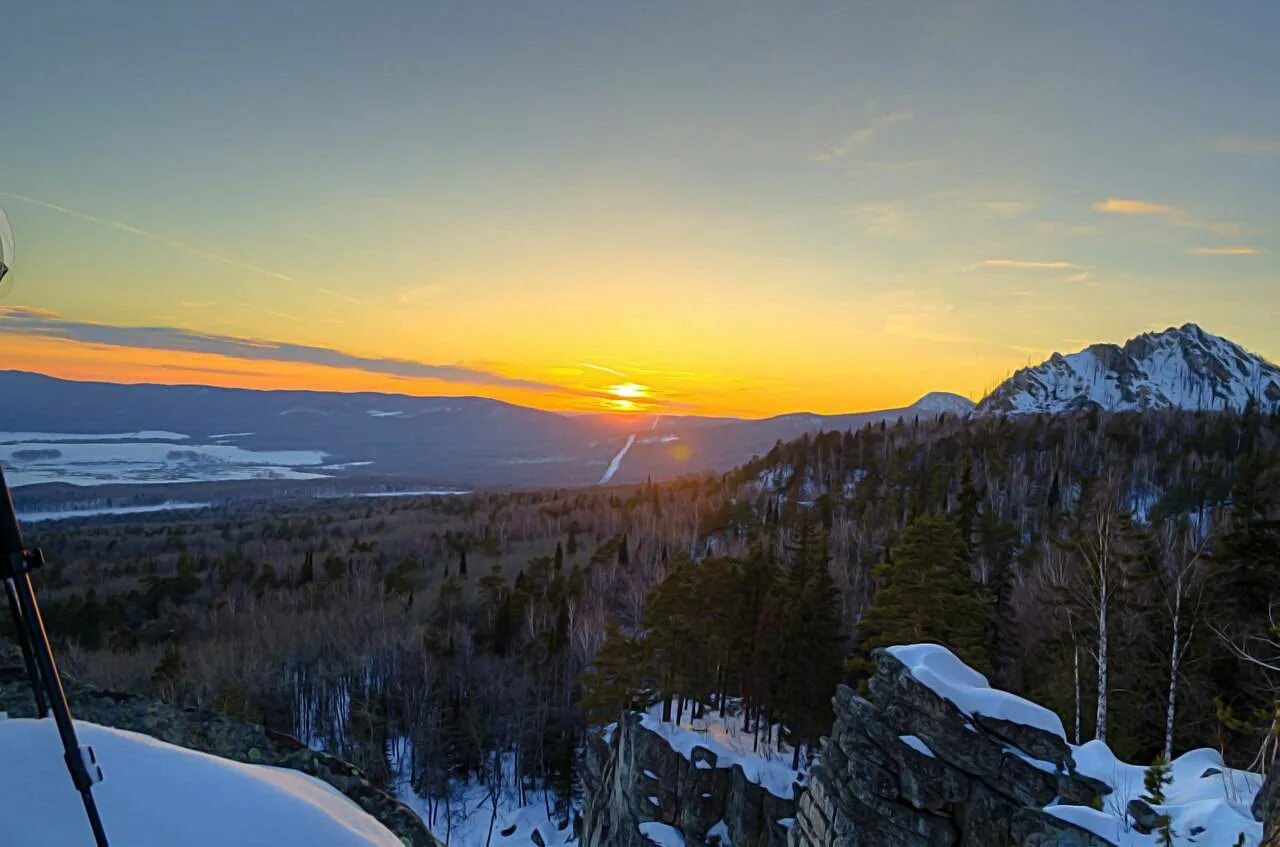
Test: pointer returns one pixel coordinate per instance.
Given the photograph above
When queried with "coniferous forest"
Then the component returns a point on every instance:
(1122, 569)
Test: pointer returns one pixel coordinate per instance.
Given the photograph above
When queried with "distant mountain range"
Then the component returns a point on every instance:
(1182, 367)
(92, 433)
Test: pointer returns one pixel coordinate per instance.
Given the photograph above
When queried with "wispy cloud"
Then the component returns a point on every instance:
(917, 327)
(1122, 206)
(1027, 264)
(1247, 146)
(1004, 208)
(34, 322)
(872, 166)
(422, 294)
(1080, 277)
(1173, 215)
(863, 135)
(890, 219)
(1236, 250)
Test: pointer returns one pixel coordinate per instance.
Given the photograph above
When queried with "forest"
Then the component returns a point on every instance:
(1102, 564)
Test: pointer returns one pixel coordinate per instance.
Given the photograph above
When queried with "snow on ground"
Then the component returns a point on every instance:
(72, 437)
(418, 492)
(158, 795)
(99, 460)
(167, 506)
(768, 765)
(465, 820)
(1207, 802)
(616, 463)
(1204, 795)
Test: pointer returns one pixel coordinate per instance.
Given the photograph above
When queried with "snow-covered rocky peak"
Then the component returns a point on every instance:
(1182, 367)
(939, 402)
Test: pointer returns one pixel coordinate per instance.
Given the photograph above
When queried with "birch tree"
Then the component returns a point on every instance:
(1184, 554)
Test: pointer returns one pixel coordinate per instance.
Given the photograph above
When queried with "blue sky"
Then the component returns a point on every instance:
(749, 207)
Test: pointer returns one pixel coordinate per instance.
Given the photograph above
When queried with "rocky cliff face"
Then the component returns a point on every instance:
(633, 777)
(905, 767)
(216, 734)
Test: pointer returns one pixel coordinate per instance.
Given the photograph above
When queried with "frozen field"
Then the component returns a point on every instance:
(144, 457)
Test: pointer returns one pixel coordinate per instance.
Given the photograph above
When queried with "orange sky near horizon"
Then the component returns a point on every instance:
(579, 389)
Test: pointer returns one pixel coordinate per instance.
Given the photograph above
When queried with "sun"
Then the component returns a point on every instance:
(629, 390)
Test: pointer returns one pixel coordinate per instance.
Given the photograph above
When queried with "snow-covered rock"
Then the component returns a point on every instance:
(157, 795)
(1181, 367)
(935, 757)
(649, 782)
(940, 402)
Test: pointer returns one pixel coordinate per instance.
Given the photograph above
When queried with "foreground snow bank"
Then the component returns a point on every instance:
(1208, 804)
(158, 795)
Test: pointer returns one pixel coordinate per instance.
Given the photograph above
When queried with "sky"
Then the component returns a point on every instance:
(736, 208)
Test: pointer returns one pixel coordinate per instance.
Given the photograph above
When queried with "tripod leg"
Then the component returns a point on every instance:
(74, 755)
(23, 634)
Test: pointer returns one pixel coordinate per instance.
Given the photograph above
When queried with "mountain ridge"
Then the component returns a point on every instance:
(1181, 367)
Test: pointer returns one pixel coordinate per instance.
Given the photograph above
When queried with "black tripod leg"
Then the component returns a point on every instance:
(73, 755)
(23, 634)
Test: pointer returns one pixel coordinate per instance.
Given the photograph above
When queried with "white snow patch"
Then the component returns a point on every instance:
(158, 795)
(915, 743)
(617, 460)
(769, 767)
(661, 834)
(167, 506)
(73, 437)
(939, 670)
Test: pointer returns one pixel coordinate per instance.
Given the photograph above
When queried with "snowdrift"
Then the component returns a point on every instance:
(159, 795)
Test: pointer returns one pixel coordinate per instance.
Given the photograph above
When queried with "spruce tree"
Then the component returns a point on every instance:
(927, 596)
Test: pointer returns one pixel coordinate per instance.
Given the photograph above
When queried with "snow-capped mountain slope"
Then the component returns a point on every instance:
(940, 402)
(1183, 367)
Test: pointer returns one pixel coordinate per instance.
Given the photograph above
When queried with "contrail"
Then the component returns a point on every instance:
(162, 239)
(601, 368)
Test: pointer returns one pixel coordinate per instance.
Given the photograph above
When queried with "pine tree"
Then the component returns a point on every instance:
(670, 645)
(1154, 781)
(811, 639)
(927, 595)
(615, 682)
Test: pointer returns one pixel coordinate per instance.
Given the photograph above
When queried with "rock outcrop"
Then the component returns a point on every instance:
(210, 732)
(633, 776)
(904, 767)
